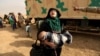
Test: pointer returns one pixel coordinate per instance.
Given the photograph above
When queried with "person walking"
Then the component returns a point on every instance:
(20, 20)
(12, 20)
(51, 24)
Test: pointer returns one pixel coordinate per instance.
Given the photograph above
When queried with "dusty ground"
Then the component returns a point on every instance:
(15, 43)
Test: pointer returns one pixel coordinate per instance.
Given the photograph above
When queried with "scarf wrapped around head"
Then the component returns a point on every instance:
(54, 23)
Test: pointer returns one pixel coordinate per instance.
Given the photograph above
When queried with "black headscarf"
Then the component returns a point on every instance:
(48, 15)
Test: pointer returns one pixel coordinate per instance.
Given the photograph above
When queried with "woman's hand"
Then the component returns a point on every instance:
(51, 44)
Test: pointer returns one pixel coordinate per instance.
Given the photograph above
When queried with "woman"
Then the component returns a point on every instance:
(12, 20)
(50, 24)
(20, 20)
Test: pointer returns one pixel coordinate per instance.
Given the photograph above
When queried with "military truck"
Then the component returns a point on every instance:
(77, 15)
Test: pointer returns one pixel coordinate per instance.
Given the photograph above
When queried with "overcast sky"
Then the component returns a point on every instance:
(15, 6)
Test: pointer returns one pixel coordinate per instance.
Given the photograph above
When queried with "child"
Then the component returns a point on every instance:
(27, 27)
(57, 39)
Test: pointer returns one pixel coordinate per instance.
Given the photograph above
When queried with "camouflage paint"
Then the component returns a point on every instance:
(39, 1)
(95, 3)
(60, 5)
(44, 10)
(28, 11)
(25, 2)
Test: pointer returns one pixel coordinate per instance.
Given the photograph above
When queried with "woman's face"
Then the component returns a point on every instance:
(53, 13)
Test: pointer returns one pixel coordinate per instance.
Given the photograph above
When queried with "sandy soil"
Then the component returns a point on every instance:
(15, 43)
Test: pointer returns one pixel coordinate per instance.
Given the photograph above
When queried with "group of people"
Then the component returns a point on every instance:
(11, 19)
(16, 23)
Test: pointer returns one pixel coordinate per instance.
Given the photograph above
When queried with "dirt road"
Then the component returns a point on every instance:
(15, 43)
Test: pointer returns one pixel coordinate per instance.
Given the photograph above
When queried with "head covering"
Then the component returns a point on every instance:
(54, 23)
(58, 13)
